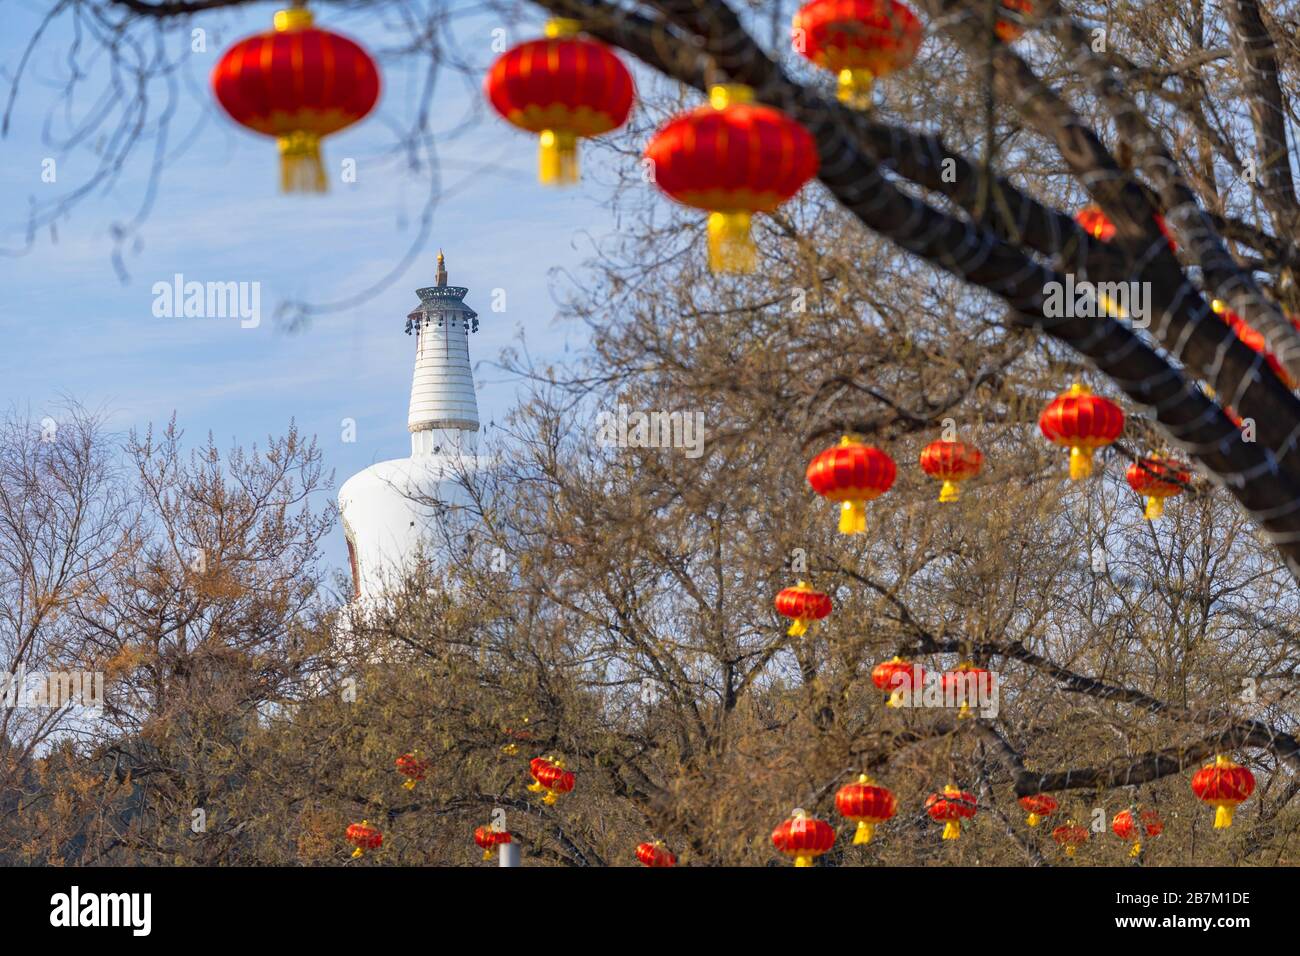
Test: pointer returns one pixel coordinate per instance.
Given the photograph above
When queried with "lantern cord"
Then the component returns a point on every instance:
(301, 170)
(557, 158)
(731, 247)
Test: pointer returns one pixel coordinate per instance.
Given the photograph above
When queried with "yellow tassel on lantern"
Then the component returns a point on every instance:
(731, 247)
(952, 830)
(1155, 508)
(1033, 820)
(1223, 816)
(1136, 851)
(356, 853)
(963, 712)
(855, 88)
(863, 833)
(853, 517)
(1111, 307)
(557, 154)
(1080, 462)
(803, 861)
(897, 698)
(550, 798)
(410, 784)
(950, 491)
(301, 170)
(798, 628)
(535, 787)
(1070, 850)
(487, 853)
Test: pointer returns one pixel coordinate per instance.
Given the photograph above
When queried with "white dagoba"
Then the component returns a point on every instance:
(394, 511)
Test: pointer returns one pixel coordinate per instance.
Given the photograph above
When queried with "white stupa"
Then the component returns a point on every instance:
(394, 511)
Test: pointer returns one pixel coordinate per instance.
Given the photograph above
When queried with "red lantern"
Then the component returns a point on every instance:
(950, 807)
(897, 677)
(1126, 828)
(803, 604)
(1252, 340)
(298, 84)
(489, 839)
(967, 683)
(1223, 784)
(1098, 225)
(563, 88)
(1039, 805)
(1157, 480)
(803, 837)
(555, 780)
(951, 462)
(1083, 422)
(867, 804)
(412, 767)
(535, 767)
(1071, 836)
(853, 474)
(857, 40)
(654, 854)
(364, 837)
(732, 158)
(1007, 31)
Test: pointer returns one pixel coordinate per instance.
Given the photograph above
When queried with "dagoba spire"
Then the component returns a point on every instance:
(444, 412)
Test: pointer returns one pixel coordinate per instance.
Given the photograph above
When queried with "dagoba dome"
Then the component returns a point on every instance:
(394, 511)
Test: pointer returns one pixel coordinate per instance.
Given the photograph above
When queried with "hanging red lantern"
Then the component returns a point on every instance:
(805, 605)
(489, 839)
(965, 683)
(1083, 422)
(297, 83)
(1070, 836)
(555, 780)
(1008, 31)
(1039, 805)
(951, 462)
(654, 854)
(803, 837)
(732, 158)
(897, 677)
(858, 41)
(852, 474)
(1223, 784)
(867, 804)
(1098, 225)
(1157, 479)
(535, 767)
(950, 807)
(364, 837)
(412, 767)
(1252, 340)
(1148, 823)
(562, 88)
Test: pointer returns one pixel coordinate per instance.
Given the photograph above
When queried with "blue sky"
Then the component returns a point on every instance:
(72, 327)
